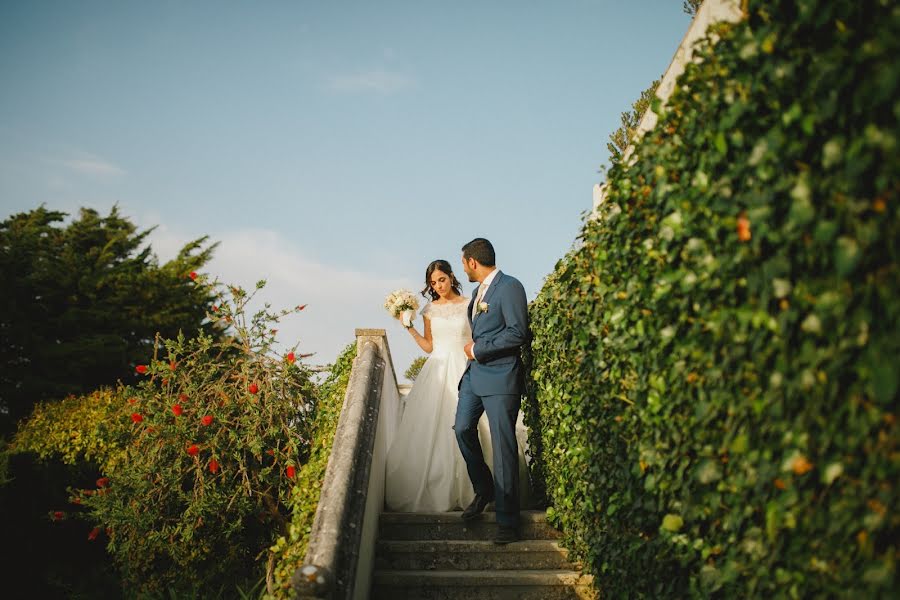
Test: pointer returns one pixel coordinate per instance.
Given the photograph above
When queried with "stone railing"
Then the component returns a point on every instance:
(339, 558)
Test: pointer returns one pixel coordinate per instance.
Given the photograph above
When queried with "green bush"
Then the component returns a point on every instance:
(415, 367)
(714, 369)
(197, 461)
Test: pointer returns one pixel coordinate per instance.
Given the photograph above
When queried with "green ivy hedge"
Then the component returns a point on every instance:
(715, 366)
(290, 550)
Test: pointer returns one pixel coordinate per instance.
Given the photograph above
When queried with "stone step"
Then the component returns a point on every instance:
(471, 555)
(450, 526)
(482, 585)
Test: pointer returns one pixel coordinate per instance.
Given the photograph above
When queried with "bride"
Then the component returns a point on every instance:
(425, 470)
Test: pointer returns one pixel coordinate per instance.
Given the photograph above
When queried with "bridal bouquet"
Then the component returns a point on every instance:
(402, 303)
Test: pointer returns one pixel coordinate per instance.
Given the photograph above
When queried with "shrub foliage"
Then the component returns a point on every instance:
(198, 460)
(714, 371)
(415, 367)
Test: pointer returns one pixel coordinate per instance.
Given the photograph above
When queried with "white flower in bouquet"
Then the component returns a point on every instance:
(402, 303)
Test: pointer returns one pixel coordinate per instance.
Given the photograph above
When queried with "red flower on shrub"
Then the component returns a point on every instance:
(58, 515)
(137, 417)
(301, 306)
(132, 401)
(141, 369)
(743, 228)
(213, 466)
(215, 308)
(183, 397)
(172, 365)
(253, 388)
(177, 410)
(290, 357)
(291, 471)
(103, 482)
(207, 420)
(93, 534)
(193, 450)
(193, 275)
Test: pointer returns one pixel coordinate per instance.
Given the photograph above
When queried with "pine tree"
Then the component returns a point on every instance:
(83, 302)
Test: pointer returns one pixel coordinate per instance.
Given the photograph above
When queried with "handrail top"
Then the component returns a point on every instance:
(363, 332)
(366, 334)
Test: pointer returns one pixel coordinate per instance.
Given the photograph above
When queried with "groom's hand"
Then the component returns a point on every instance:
(470, 350)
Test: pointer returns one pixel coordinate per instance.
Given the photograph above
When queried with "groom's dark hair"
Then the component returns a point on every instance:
(481, 250)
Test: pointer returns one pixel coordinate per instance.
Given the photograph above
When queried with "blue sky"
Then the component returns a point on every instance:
(332, 148)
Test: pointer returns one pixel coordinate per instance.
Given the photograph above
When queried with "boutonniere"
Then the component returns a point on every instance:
(481, 307)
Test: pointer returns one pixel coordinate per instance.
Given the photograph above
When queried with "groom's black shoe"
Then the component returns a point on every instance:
(506, 535)
(476, 507)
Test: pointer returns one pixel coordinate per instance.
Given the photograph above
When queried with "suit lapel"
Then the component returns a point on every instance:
(487, 296)
(492, 288)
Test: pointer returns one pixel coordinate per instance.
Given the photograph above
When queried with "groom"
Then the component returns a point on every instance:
(493, 382)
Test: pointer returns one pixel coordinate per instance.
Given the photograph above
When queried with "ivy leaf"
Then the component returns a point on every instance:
(885, 377)
(802, 210)
(672, 522)
(721, 144)
(739, 444)
(846, 255)
(708, 471)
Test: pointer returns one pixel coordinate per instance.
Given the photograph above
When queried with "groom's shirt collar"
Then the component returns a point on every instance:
(487, 280)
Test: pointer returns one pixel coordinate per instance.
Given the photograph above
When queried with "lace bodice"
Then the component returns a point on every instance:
(450, 330)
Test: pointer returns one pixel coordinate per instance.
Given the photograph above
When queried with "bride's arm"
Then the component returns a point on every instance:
(424, 341)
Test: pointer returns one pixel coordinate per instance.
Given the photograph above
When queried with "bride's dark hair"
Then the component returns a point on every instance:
(444, 267)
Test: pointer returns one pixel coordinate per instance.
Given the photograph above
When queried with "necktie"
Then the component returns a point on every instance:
(478, 298)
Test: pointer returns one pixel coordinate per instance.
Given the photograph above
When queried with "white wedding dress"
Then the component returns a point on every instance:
(425, 470)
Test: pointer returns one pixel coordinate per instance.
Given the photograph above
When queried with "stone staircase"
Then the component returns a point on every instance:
(431, 556)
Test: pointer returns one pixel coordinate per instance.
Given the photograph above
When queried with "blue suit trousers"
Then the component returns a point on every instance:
(502, 411)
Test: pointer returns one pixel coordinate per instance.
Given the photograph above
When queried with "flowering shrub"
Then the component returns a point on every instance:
(714, 372)
(196, 459)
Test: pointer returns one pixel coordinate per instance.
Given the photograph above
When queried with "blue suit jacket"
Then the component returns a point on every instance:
(499, 334)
